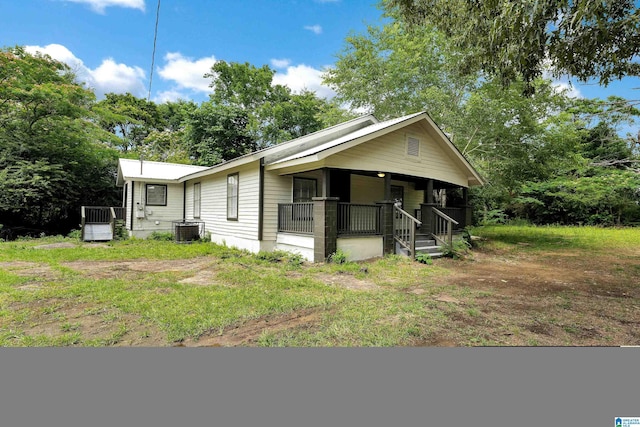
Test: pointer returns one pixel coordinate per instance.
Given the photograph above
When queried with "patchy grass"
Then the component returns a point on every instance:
(521, 286)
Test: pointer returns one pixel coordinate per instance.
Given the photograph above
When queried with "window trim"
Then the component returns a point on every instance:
(197, 202)
(146, 194)
(233, 198)
(301, 178)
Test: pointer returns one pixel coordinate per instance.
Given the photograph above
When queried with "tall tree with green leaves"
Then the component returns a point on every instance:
(130, 118)
(518, 39)
(391, 70)
(52, 156)
(246, 111)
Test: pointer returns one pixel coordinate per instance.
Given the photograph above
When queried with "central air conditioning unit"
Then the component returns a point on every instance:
(187, 231)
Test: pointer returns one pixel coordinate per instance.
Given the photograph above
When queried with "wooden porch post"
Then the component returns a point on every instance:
(388, 244)
(387, 186)
(326, 182)
(426, 209)
(468, 211)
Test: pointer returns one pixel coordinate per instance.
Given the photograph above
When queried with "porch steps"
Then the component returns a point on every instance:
(97, 232)
(425, 244)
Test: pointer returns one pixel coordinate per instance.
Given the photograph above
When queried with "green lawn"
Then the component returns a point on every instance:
(60, 292)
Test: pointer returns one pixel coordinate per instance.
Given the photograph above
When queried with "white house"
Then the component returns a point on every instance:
(363, 186)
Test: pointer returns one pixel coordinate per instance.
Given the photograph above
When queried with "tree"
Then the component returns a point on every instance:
(517, 39)
(51, 160)
(246, 111)
(391, 70)
(169, 144)
(218, 133)
(130, 118)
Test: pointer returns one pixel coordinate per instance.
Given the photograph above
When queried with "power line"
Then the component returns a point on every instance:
(153, 54)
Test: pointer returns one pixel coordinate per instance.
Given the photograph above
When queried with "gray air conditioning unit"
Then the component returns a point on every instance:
(187, 231)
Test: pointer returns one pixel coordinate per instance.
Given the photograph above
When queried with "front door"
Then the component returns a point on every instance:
(340, 185)
(397, 194)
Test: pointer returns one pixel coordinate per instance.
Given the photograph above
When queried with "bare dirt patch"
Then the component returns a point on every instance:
(92, 324)
(41, 272)
(119, 269)
(347, 281)
(63, 245)
(250, 331)
(555, 299)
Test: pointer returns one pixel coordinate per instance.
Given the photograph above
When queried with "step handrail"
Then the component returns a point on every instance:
(83, 220)
(443, 226)
(406, 233)
(113, 222)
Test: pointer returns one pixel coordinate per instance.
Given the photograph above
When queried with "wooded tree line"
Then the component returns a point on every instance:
(59, 145)
(546, 157)
(476, 68)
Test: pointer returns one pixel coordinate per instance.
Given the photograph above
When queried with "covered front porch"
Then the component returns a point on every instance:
(367, 214)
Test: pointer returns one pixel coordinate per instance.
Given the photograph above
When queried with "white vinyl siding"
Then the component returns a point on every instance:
(128, 202)
(213, 199)
(163, 215)
(277, 189)
(388, 153)
(369, 190)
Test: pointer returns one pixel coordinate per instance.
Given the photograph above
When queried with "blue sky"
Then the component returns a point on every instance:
(109, 42)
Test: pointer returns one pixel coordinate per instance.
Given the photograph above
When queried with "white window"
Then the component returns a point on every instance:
(232, 197)
(304, 189)
(196, 200)
(156, 195)
(413, 146)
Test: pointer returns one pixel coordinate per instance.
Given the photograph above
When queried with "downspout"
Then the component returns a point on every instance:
(261, 201)
(184, 201)
(133, 188)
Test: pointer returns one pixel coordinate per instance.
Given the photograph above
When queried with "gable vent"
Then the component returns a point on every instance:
(413, 146)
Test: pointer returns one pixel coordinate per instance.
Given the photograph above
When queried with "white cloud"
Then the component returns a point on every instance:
(99, 6)
(570, 90)
(300, 77)
(169, 96)
(187, 73)
(110, 76)
(316, 29)
(280, 63)
(113, 77)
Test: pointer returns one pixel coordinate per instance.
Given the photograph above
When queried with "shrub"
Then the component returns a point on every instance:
(291, 258)
(459, 249)
(424, 259)
(338, 257)
(161, 236)
(75, 234)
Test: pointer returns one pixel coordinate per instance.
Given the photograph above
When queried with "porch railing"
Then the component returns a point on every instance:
(295, 217)
(355, 219)
(100, 215)
(120, 213)
(443, 226)
(457, 214)
(404, 226)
